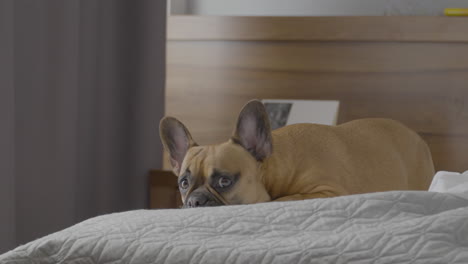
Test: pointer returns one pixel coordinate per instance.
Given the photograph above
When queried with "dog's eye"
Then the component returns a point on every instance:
(184, 184)
(224, 182)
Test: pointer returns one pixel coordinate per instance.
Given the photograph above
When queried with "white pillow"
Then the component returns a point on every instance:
(450, 182)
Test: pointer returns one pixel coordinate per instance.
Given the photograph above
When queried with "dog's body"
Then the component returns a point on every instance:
(366, 155)
(296, 162)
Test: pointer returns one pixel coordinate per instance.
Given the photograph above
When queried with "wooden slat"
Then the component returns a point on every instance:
(391, 28)
(356, 57)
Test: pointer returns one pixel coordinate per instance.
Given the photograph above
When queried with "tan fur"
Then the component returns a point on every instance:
(314, 161)
(228, 157)
(307, 160)
(367, 155)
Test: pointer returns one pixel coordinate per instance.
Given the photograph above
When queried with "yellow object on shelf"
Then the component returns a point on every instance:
(456, 11)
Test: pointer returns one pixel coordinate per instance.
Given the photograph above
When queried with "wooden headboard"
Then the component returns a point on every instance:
(412, 69)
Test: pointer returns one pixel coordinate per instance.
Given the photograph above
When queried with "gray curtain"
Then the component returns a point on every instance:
(81, 95)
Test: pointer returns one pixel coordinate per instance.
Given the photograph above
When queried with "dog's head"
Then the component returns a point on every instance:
(226, 173)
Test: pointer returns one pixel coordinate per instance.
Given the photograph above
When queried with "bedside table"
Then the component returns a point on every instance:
(164, 190)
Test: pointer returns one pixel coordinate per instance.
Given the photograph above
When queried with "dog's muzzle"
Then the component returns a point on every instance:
(201, 199)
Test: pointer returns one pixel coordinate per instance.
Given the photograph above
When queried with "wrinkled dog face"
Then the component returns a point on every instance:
(218, 175)
(222, 174)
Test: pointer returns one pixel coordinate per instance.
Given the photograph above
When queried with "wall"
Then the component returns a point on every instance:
(314, 7)
(7, 201)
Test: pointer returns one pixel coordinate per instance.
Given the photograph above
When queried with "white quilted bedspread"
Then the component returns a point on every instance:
(390, 227)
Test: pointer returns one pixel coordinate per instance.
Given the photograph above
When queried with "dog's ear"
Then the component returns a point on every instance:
(176, 140)
(253, 130)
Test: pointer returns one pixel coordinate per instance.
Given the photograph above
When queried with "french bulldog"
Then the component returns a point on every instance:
(295, 162)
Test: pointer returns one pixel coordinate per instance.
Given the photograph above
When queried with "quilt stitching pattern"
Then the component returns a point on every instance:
(388, 227)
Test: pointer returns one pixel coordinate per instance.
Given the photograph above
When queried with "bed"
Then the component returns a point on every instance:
(413, 69)
(391, 227)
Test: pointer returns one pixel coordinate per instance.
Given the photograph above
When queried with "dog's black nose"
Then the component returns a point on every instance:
(196, 200)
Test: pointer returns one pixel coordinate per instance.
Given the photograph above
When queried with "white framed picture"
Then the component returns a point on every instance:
(288, 112)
